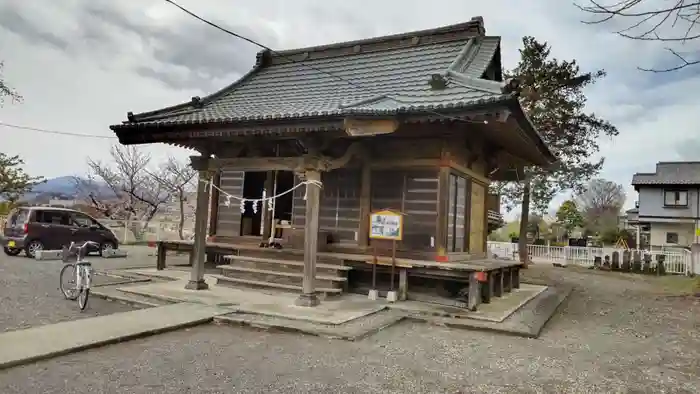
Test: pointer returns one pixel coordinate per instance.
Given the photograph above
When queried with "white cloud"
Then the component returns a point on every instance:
(82, 65)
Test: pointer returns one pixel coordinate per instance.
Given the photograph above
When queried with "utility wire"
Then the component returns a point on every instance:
(332, 75)
(66, 133)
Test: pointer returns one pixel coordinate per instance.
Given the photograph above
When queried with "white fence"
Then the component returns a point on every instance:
(676, 261)
(137, 231)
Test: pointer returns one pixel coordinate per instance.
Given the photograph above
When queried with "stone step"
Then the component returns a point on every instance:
(284, 265)
(258, 284)
(351, 331)
(276, 276)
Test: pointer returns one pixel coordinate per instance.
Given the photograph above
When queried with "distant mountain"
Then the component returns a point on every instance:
(66, 187)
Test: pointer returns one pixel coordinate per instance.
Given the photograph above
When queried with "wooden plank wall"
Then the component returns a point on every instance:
(457, 215)
(478, 231)
(229, 218)
(340, 205)
(415, 193)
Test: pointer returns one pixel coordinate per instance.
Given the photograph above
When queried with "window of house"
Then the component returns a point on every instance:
(671, 238)
(676, 198)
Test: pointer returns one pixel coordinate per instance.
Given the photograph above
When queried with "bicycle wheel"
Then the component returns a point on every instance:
(83, 298)
(68, 283)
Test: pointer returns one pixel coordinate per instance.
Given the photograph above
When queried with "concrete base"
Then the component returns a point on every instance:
(48, 255)
(197, 285)
(38, 343)
(307, 300)
(114, 254)
(392, 296)
(373, 295)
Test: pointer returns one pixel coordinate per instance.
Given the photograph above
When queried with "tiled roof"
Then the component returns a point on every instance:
(670, 173)
(387, 75)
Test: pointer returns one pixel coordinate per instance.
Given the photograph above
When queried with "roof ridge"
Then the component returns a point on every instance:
(454, 32)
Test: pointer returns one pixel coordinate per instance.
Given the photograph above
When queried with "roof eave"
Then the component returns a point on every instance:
(549, 160)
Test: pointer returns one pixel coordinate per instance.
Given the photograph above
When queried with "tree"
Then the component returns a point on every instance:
(552, 94)
(569, 217)
(14, 181)
(137, 195)
(178, 179)
(600, 204)
(7, 91)
(671, 23)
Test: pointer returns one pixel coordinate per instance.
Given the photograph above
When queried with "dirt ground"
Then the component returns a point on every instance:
(617, 333)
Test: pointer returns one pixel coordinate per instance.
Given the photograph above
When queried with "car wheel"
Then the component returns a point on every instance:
(107, 245)
(33, 247)
(11, 251)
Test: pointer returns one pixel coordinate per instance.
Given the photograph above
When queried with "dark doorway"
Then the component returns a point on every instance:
(253, 185)
(283, 205)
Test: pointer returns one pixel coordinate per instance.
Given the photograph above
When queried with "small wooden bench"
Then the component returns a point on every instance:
(162, 247)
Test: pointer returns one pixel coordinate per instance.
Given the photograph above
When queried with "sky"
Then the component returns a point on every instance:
(81, 65)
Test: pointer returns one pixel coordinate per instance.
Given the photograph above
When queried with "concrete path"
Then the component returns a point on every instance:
(37, 343)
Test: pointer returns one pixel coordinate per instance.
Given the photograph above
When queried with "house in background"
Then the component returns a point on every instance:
(668, 204)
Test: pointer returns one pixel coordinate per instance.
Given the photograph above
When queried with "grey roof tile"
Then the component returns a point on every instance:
(670, 173)
(387, 80)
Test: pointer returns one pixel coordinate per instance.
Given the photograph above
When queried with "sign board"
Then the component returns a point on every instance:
(697, 232)
(386, 225)
(367, 127)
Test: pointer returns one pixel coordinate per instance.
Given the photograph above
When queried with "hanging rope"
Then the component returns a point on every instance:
(256, 201)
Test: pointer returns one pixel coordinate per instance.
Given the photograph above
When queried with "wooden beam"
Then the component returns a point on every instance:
(365, 204)
(214, 204)
(467, 171)
(297, 164)
(441, 219)
(257, 163)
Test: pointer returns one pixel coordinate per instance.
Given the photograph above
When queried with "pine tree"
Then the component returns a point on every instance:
(552, 95)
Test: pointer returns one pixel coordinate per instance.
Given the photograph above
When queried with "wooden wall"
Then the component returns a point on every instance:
(340, 205)
(477, 226)
(413, 191)
(229, 218)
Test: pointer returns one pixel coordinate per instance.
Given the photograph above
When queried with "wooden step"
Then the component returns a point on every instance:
(286, 254)
(257, 284)
(280, 273)
(281, 277)
(284, 265)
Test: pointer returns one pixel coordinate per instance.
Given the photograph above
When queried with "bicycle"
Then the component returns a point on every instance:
(78, 274)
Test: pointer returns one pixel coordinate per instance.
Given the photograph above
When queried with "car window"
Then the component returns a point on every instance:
(83, 220)
(53, 217)
(18, 218)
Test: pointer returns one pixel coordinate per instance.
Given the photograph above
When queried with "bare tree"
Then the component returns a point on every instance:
(136, 193)
(601, 203)
(672, 22)
(178, 179)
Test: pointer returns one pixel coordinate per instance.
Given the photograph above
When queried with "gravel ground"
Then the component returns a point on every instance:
(614, 335)
(29, 295)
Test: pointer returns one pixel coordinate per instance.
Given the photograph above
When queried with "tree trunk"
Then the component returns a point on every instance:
(524, 217)
(182, 216)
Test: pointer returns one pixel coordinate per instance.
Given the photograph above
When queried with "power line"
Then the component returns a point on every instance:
(66, 133)
(338, 77)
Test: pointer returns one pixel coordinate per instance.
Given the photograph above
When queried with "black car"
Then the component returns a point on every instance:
(31, 229)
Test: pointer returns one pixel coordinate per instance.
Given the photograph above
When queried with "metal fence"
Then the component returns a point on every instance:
(677, 261)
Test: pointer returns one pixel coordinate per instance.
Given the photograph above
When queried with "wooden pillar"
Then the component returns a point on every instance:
(308, 296)
(198, 255)
(442, 208)
(474, 297)
(214, 216)
(268, 215)
(365, 205)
